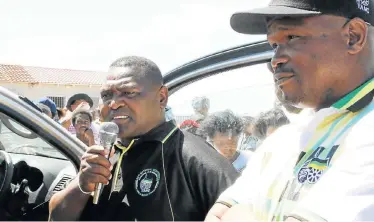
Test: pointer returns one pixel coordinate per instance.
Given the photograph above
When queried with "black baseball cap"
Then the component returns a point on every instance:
(255, 21)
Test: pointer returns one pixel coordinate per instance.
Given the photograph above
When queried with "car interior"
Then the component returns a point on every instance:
(32, 170)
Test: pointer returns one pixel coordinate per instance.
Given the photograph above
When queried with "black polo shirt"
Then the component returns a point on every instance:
(180, 179)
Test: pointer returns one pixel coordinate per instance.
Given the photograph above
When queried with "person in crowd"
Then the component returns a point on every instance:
(97, 120)
(247, 141)
(51, 105)
(45, 109)
(201, 107)
(267, 122)
(156, 172)
(82, 120)
(321, 169)
(223, 130)
(95, 115)
(61, 112)
(169, 116)
(102, 111)
(79, 101)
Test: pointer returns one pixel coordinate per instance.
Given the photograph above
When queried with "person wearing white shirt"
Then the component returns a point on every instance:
(324, 170)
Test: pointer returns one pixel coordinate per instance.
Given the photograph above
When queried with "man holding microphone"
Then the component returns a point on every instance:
(158, 172)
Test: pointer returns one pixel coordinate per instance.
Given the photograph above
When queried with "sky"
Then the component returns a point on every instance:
(89, 35)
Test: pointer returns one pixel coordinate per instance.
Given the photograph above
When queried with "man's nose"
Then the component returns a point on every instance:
(279, 58)
(116, 103)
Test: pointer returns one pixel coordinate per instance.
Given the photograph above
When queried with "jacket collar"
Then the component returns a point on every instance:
(358, 98)
(159, 134)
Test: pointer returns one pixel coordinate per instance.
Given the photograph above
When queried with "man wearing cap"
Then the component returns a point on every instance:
(323, 53)
(75, 103)
(51, 105)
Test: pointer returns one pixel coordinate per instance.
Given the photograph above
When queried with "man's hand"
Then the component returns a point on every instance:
(86, 136)
(68, 204)
(66, 120)
(95, 168)
(216, 213)
(82, 106)
(89, 136)
(239, 212)
(221, 212)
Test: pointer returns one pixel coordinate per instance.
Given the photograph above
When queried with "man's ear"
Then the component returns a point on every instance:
(163, 96)
(358, 34)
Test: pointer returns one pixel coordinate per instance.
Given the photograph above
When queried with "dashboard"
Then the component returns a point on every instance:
(56, 175)
(46, 176)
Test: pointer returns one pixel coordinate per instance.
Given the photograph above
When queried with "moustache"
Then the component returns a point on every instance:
(281, 69)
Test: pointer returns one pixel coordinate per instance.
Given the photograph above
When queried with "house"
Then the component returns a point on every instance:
(57, 84)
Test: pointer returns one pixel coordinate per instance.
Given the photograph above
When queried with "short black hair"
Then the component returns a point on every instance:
(273, 118)
(145, 67)
(221, 122)
(79, 113)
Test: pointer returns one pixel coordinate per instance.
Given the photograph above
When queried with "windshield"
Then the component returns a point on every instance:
(18, 139)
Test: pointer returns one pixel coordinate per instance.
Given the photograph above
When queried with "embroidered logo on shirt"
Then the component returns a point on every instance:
(363, 5)
(147, 182)
(314, 167)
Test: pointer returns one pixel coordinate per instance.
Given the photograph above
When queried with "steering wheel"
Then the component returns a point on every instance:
(6, 121)
(6, 174)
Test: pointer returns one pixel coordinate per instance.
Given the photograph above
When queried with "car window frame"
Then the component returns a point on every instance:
(216, 63)
(19, 110)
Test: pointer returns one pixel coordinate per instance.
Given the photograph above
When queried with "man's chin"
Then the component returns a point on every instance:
(81, 131)
(126, 136)
(290, 99)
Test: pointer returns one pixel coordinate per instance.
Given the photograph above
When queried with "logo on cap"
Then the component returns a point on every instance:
(363, 5)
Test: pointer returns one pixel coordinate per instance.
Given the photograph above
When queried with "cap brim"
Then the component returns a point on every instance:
(254, 21)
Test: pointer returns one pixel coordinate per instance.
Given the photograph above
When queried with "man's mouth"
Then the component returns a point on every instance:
(282, 78)
(120, 117)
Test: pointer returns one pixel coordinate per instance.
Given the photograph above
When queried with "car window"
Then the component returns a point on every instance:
(15, 138)
(246, 91)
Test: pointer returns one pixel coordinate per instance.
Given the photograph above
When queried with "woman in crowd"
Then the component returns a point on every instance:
(222, 130)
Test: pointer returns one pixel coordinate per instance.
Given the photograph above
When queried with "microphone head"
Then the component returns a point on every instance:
(108, 134)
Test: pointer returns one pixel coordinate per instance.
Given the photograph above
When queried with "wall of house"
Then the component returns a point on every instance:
(35, 92)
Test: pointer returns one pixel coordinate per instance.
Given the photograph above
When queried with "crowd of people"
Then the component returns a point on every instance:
(234, 136)
(307, 159)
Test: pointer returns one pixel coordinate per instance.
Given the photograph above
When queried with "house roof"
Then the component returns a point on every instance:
(35, 75)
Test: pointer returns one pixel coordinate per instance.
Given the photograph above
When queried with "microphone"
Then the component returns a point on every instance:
(108, 136)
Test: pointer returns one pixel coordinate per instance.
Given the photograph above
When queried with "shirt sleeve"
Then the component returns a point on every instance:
(241, 191)
(209, 171)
